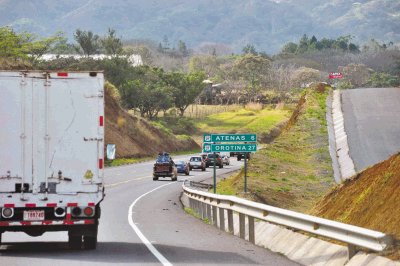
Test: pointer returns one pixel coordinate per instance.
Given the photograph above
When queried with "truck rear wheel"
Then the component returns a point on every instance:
(75, 242)
(90, 242)
(155, 178)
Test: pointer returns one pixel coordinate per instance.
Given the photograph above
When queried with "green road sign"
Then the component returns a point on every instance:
(208, 147)
(229, 138)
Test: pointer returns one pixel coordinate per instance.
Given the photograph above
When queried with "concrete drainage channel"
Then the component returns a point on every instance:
(338, 141)
(251, 226)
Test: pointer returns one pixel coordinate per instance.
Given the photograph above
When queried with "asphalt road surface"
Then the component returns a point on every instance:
(372, 124)
(142, 223)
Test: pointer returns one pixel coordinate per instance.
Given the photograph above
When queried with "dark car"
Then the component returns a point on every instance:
(165, 167)
(182, 167)
(210, 160)
(240, 155)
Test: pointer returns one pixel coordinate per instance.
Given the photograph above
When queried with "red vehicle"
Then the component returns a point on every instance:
(165, 167)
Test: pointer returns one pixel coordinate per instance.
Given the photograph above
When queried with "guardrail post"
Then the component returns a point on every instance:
(352, 250)
(198, 207)
(222, 219)
(230, 221)
(252, 238)
(209, 217)
(191, 203)
(195, 206)
(203, 210)
(214, 216)
(242, 226)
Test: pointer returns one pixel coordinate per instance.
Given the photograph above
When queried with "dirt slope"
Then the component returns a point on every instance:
(134, 136)
(370, 199)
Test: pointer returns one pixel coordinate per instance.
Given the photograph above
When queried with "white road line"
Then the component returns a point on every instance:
(145, 241)
(124, 182)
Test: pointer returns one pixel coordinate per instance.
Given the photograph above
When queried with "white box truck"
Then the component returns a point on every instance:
(51, 153)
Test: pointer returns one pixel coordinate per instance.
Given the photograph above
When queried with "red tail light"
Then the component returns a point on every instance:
(88, 211)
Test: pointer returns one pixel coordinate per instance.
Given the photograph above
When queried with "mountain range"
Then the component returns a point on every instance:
(266, 24)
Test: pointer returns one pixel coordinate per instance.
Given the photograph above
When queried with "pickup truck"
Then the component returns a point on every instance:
(164, 167)
(52, 153)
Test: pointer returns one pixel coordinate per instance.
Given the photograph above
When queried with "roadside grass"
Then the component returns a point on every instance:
(198, 111)
(294, 171)
(125, 161)
(195, 214)
(243, 121)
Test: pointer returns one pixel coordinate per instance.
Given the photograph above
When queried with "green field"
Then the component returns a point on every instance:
(243, 121)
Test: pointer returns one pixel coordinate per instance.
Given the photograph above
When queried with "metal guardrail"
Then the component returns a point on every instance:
(213, 206)
(198, 185)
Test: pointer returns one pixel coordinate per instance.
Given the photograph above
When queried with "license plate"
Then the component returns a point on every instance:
(34, 215)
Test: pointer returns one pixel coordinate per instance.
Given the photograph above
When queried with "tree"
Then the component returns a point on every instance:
(383, 80)
(249, 49)
(186, 88)
(182, 48)
(289, 48)
(204, 63)
(87, 41)
(24, 45)
(304, 75)
(147, 92)
(344, 84)
(165, 45)
(38, 48)
(63, 47)
(357, 74)
(303, 45)
(111, 43)
(13, 45)
(253, 70)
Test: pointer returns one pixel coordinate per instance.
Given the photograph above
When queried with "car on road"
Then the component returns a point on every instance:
(165, 167)
(240, 155)
(197, 162)
(225, 159)
(210, 160)
(182, 167)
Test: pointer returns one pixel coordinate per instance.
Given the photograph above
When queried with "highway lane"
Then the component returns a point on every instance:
(372, 124)
(180, 238)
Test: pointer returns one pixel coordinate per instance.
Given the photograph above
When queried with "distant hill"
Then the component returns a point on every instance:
(265, 23)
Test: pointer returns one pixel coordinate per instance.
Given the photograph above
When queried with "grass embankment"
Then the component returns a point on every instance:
(265, 122)
(294, 171)
(370, 199)
(243, 120)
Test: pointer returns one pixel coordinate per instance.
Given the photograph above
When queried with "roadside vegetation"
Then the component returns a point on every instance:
(294, 171)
